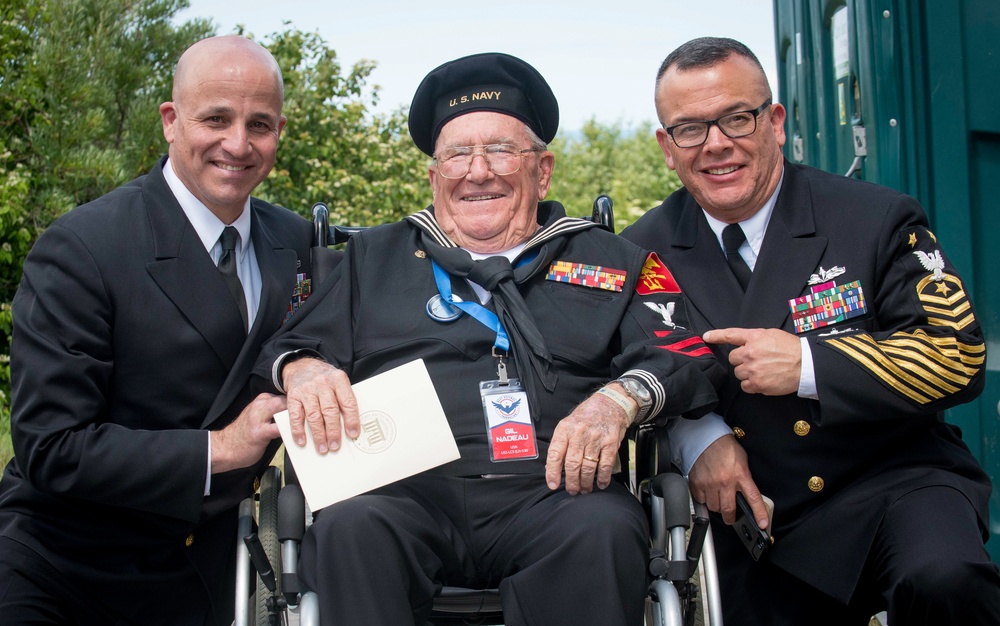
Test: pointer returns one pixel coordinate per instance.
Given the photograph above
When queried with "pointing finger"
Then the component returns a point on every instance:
(733, 336)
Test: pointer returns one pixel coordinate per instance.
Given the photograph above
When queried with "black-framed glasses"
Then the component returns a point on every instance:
(503, 159)
(732, 125)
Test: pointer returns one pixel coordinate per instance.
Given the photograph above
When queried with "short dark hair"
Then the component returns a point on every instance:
(705, 52)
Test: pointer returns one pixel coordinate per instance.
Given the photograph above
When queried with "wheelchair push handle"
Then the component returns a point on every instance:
(603, 212)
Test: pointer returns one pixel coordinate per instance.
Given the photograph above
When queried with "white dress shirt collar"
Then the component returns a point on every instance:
(208, 226)
(754, 227)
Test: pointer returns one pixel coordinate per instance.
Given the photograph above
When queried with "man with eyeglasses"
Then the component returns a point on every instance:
(848, 332)
(546, 337)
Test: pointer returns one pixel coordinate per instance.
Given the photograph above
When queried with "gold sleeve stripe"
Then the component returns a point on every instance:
(959, 325)
(916, 365)
(953, 312)
(929, 376)
(943, 341)
(922, 378)
(946, 356)
(886, 371)
(935, 373)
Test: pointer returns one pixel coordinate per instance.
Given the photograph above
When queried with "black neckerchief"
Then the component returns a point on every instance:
(496, 275)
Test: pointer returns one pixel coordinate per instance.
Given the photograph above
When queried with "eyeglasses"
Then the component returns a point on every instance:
(733, 125)
(503, 159)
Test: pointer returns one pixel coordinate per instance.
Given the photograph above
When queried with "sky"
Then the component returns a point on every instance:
(600, 58)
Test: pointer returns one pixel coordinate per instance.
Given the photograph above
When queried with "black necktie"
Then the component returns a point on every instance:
(227, 265)
(732, 238)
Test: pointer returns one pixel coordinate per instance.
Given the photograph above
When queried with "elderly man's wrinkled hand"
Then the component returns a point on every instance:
(585, 445)
(320, 395)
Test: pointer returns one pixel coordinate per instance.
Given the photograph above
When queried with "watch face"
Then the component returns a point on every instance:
(635, 389)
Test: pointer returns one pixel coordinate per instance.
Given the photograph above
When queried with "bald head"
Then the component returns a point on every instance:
(224, 121)
(231, 55)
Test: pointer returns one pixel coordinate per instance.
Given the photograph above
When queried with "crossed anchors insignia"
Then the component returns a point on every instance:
(665, 311)
(932, 262)
(824, 275)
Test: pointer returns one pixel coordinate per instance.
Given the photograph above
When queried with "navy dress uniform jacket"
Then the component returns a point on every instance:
(121, 359)
(373, 318)
(833, 466)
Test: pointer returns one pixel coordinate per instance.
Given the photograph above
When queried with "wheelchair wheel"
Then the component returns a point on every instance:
(267, 532)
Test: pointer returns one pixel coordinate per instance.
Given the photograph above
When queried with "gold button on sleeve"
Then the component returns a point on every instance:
(189, 541)
(801, 428)
(739, 432)
(816, 484)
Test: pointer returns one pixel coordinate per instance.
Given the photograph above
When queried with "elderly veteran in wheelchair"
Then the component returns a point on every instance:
(510, 304)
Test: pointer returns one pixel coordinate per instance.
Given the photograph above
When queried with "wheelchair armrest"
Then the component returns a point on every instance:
(291, 513)
(673, 489)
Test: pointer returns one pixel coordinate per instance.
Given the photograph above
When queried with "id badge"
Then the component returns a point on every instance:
(508, 421)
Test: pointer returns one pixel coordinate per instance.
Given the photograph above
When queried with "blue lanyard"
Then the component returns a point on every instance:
(480, 313)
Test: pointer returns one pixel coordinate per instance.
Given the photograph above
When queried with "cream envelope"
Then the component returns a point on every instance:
(404, 431)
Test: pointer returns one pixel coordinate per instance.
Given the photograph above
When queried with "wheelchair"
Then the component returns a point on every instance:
(684, 589)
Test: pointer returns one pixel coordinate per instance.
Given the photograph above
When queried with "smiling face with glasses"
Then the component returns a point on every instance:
(727, 154)
(488, 178)
(733, 125)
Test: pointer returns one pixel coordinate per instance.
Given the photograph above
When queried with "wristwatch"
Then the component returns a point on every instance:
(638, 392)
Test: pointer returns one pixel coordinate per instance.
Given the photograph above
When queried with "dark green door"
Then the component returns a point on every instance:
(905, 93)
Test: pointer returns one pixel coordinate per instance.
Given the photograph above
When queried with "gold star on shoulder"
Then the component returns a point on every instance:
(943, 289)
(913, 239)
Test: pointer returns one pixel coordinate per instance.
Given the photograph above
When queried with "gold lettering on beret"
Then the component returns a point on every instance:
(479, 95)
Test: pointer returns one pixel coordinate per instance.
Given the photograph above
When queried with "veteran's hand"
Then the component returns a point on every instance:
(243, 442)
(585, 445)
(766, 360)
(320, 395)
(719, 473)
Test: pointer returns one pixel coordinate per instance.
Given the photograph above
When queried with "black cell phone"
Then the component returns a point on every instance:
(756, 540)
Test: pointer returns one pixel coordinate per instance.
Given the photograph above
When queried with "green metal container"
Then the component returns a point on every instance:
(906, 93)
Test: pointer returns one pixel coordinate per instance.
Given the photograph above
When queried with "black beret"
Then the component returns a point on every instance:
(491, 81)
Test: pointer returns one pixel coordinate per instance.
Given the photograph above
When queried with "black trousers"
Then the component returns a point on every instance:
(36, 593)
(927, 566)
(557, 559)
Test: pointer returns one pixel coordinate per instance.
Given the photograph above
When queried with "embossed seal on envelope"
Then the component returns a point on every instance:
(378, 431)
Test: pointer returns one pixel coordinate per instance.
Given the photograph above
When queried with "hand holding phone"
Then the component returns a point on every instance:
(757, 541)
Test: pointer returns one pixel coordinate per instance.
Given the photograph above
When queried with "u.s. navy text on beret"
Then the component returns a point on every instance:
(491, 81)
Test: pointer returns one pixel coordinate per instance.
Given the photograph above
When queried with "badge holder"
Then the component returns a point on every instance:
(508, 416)
(505, 402)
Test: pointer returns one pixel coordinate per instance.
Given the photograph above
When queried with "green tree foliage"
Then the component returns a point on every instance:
(80, 86)
(627, 165)
(79, 95)
(333, 149)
